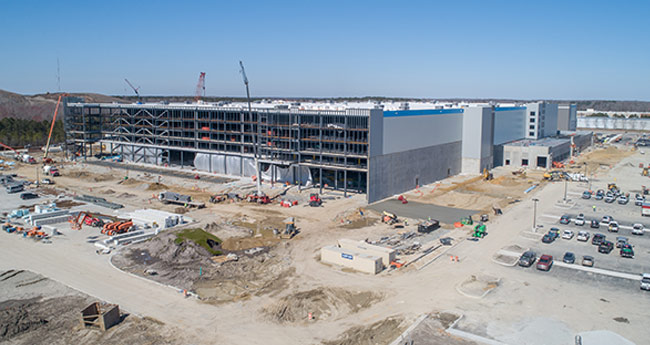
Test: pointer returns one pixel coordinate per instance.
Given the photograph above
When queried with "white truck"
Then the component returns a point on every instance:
(50, 170)
(645, 209)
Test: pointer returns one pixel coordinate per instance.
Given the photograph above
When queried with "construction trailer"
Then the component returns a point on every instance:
(387, 255)
(351, 259)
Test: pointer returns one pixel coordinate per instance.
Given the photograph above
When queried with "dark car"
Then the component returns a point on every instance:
(600, 194)
(527, 259)
(605, 247)
(597, 239)
(569, 258)
(545, 262)
(595, 224)
(627, 251)
(586, 195)
(555, 232)
(28, 195)
(565, 219)
(548, 238)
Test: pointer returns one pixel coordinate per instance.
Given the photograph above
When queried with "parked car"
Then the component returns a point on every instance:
(565, 219)
(620, 241)
(605, 247)
(622, 200)
(597, 239)
(567, 234)
(583, 236)
(613, 227)
(580, 220)
(610, 199)
(638, 229)
(527, 259)
(28, 195)
(606, 220)
(595, 224)
(545, 262)
(586, 195)
(600, 194)
(47, 181)
(639, 199)
(555, 232)
(645, 281)
(588, 261)
(569, 258)
(627, 251)
(548, 238)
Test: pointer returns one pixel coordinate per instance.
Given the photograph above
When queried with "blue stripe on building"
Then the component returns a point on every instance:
(423, 112)
(509, 108)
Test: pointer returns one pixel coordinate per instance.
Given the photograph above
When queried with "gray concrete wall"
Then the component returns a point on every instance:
(376, 139)
(396, 173)
(478, 135)
(416, 129)
(550, 120)
(564, 117)
(510, 124)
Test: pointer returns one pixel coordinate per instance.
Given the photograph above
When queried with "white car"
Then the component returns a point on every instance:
(637, 229)
(567, 234)
(583, 236)
(613, 227)
(606, 220)
(580, 220)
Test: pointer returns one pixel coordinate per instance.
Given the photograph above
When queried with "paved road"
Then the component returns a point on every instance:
(417, 210)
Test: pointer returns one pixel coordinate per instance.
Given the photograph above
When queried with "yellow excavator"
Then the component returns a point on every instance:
(487, 176)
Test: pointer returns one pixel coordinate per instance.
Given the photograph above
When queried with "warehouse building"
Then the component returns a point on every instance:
(380, 149)
(542, 153)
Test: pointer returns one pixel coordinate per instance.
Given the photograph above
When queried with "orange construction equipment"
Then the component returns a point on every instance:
(558, 165)
(49, 137)
(121, 228)
(85, 217)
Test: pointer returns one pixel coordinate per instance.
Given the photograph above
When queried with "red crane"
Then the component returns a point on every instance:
(200, 87)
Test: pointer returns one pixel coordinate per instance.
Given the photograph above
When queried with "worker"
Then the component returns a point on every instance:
(594, 207)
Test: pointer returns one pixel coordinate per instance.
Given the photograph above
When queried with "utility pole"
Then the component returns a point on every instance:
(257, 139)
(565, 186)
(535, 200)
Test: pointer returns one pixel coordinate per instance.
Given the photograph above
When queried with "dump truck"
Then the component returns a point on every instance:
(428, 226)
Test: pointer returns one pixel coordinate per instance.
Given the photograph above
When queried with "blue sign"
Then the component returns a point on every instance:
(347, 256)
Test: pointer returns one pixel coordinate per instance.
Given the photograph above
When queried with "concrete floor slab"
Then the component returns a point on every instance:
(417, 210)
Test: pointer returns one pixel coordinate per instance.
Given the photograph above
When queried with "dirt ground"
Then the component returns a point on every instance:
(380, 332)
(323, 303)
(35, 309)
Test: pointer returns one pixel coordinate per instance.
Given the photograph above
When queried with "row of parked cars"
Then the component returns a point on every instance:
(600, 240)
(608, 221)
(609, 197)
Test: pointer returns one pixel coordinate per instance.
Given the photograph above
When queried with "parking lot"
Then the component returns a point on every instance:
(628, 178)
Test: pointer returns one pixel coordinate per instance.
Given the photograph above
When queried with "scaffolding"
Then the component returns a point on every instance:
(332, 144)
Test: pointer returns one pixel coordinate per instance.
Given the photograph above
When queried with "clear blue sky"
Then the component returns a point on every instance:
(504, 49)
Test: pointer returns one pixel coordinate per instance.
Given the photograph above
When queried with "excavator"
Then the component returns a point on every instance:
(487, 176)
(88, 219)
(118, 227)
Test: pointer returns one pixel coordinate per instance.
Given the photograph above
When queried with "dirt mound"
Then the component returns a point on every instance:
(103, 177)
(380, 332)
(157, 186)
(243, 243)
(109, 191)
(126, 195)
(17, 317)
(355, 219)
(68, 203)
(323, 303)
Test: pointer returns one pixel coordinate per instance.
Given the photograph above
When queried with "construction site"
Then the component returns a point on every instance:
(165, 233)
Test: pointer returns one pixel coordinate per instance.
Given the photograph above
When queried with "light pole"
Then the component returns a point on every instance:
(535, 200)
(565, 186)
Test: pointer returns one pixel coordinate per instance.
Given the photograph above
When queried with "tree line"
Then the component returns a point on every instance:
(21, 132)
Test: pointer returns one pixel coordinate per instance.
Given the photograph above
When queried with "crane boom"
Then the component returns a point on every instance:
(135, 89)
(200, 87)
(49, 137)
(10, 148)
(257, 139)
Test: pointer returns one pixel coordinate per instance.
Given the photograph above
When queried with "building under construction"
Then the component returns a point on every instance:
(377, 149)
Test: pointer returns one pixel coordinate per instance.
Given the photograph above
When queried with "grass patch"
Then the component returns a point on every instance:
(200, 237)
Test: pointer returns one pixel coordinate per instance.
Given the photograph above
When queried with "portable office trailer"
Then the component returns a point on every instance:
(387, 255)
(351, 259)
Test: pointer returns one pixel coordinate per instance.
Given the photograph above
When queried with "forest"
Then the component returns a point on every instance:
(20, 132)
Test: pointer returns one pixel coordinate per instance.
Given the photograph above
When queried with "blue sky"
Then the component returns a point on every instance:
(433, 49)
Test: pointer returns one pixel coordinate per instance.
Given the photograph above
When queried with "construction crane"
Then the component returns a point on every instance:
(200, 88)
(49, 137)
(257, 140)
(10, 148)
(135, 89)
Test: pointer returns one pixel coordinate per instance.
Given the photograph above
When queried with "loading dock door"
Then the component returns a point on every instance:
(541, 161)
